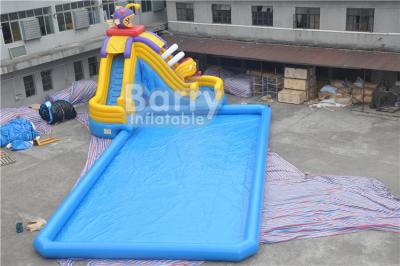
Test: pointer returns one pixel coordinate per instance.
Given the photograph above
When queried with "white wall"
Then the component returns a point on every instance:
(12, 85)
(67, 38)
(332, 32)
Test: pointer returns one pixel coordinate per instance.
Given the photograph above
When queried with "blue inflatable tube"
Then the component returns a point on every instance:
(191, 193)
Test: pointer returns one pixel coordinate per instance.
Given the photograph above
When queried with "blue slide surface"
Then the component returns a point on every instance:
(116, 74)
(191, 192)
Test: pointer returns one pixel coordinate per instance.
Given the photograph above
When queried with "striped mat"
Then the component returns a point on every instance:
(79, 92)
(297, 206)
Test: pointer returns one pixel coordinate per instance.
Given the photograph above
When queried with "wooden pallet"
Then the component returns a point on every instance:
(6, 158)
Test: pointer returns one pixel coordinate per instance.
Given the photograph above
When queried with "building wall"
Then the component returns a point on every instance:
(55, 52)
(69, 37)
(12, 84)
(332, 32)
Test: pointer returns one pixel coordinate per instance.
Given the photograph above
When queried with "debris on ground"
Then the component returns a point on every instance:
(34, 106)
(342, 93)
(36, 224)
(40, 142)
(266, 99)
(19, 228)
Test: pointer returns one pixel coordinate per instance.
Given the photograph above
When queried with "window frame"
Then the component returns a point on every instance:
(81, 75)
(32, 88)
(6, 23)
(364, 15)
(184, 12)
(307, 18)
(262, 18)
(62, 10)
(13, 23)
(107, 4)
(47, 79)
(146, 6)
(220, 15)
(93, 66)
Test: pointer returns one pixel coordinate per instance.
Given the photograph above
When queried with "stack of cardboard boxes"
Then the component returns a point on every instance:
(300, 85)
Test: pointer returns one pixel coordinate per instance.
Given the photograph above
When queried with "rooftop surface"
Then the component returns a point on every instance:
(317, 141)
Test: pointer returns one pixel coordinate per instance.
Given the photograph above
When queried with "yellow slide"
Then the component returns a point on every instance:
(112, 102)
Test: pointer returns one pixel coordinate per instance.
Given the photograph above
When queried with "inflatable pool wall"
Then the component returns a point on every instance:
(191, 193)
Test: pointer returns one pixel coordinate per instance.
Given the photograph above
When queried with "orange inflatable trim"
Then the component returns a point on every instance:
(134, 31)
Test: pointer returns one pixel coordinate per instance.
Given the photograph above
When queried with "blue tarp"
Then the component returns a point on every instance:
(19, 132)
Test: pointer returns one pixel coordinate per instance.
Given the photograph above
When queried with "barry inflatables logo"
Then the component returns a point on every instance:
(161, 107)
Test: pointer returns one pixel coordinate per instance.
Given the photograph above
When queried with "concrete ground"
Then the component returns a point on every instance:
(316, 141)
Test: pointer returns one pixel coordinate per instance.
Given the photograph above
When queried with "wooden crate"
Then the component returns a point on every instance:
(296, 84)
(299, 73)
(292, 96)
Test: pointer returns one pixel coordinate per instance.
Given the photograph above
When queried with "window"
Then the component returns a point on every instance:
(158, 5)
(184, 11)
(64, 17)
(145, 6)
(360, 19)
(64, 14)
(93, 66)
(78, 69)
(221, 13)
(307, 18)
(29, 85)
(262, 15)
(46, 80)
(108, 8)
(10, 23)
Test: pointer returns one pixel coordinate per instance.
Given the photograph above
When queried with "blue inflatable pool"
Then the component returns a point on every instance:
(169, 193)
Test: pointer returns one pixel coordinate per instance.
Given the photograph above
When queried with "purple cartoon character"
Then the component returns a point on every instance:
(123, 15)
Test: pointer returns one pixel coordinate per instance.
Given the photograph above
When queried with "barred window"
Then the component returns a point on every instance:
(78, 70)
(360, 19)
(307, 17)
(262, 15)
(10, 23)
(46, 80)
(146, 6)
(108, 8)
(29, 85)
(184, 11)
(93, 66)
(221, 13)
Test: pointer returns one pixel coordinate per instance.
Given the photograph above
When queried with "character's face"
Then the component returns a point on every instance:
(122, 17)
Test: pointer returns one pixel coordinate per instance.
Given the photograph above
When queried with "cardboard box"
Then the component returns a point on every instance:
(299, 73)
(296, 84)
(292, 96)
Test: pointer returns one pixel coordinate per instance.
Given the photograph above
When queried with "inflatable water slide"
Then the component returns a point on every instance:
(163, 192)
(132, 56)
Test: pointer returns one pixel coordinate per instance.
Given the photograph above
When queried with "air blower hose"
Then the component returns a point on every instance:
(57, 111)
